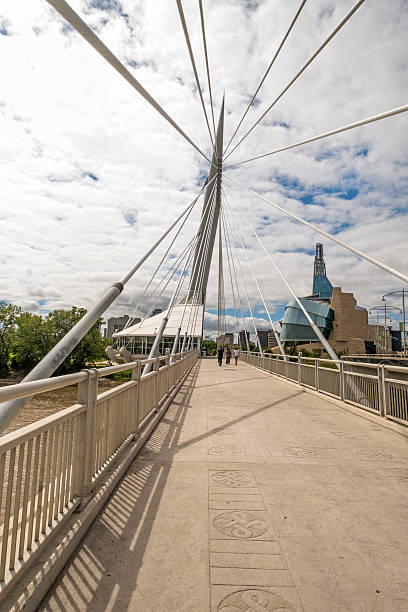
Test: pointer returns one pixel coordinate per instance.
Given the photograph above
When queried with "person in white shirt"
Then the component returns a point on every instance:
(236, 355)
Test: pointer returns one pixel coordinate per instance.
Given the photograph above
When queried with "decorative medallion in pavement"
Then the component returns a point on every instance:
(238, 524)
(232, 478)
(254, 600)
(344, 435)
(324, 423)
(297, 451)
(376, 456)
(225, 449)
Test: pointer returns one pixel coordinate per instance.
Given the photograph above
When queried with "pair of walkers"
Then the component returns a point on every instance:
(220, 354)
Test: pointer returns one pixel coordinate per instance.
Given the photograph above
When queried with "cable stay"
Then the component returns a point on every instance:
(165, 319)
(193, 64)
(66, 11)
(136, 306)
(297, 75)
(231, 259)
(202, 271)
(344, 128)
(167, 313)
(168, 277)
(313, 325)
(326, 234)
(227, 249)
(221, 296)
(123, 352)
(208, 69)
(267, 72)
(277, 338)
(246, 294)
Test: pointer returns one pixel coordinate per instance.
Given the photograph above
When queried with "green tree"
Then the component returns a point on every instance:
(8, 319)
(35, 336)
(90, 349)
(31, 341)
(210, 346)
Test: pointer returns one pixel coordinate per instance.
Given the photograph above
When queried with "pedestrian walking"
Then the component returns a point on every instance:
(236, 355)
(220, 354)
(228, 356)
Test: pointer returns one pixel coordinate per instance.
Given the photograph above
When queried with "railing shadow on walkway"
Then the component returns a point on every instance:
(128, 517)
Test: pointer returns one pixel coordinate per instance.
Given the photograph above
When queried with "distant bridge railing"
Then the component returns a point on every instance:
(49, 469)
(382, 389)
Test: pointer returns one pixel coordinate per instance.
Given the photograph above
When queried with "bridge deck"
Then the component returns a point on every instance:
(251, 493)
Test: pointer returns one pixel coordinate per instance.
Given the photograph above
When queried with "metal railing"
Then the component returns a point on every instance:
(50, 468)
(381, 389)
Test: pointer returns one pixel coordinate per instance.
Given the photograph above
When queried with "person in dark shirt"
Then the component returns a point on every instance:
(228, 356)
(220, 354)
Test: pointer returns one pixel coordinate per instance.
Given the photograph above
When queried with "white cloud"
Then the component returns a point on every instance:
(90, 175)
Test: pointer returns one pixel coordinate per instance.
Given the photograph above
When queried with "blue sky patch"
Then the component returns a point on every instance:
(3, 28)
(307, 196)
(349, 194)
(130, 218)
(363, 152)
(341, 227)
(92, 176)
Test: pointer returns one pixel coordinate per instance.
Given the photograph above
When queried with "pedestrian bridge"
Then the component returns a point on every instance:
(252, 493)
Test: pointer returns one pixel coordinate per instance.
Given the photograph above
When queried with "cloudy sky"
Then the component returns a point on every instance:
(90, 174)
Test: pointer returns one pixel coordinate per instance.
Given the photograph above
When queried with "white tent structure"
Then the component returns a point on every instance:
(190, 324)
(139, 338)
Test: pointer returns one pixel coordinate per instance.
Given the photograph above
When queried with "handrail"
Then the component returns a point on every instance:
(278, 357)
(391, 368)
(366, 385)
(35, 387)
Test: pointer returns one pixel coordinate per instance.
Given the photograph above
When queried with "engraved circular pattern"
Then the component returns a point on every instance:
(344, 435)
(324, 423)
(225, 449)
(296, 451)
(254, 600)
(241, 525)
(377, 456)
(231, 479)
(403, 482)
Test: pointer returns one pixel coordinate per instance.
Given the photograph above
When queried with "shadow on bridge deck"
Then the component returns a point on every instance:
(251, 494)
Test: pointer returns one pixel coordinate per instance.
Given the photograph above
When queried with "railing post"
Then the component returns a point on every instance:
(167, 364)
(341, 374)
(286, 367)
(136, 375)
(317, 386)
(300, 368)
(87, 394)
(156, 368)
(382, 391)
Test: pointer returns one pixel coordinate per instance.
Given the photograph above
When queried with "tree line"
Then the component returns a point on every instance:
(25, 338)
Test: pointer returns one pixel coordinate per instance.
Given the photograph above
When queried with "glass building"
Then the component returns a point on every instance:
(296, 327)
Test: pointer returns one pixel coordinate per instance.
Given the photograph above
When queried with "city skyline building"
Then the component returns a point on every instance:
(242, 337)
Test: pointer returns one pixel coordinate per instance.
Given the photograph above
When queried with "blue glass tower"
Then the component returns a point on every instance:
(321, 284)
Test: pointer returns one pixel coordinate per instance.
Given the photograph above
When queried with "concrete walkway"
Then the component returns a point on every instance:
(251, 495)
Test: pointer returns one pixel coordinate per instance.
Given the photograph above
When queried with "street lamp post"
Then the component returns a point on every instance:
(385, 319)
(404, 339)
(377, 325)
